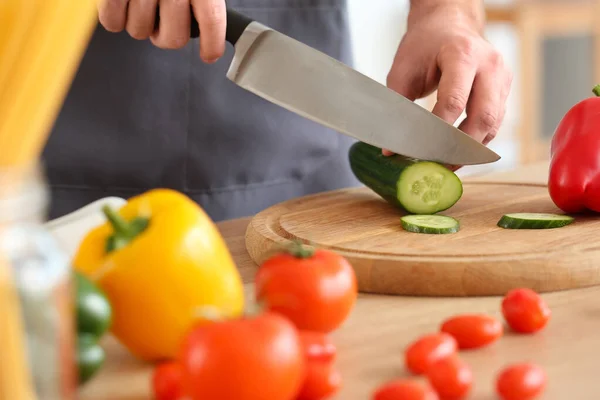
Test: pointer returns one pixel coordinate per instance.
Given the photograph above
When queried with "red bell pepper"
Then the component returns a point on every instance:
(574, 176)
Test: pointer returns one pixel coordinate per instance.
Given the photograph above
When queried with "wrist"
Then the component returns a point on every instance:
(464, 11)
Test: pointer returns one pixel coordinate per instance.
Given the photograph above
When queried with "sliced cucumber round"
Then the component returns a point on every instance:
(426, 188)
(432, 224)
(534, 221)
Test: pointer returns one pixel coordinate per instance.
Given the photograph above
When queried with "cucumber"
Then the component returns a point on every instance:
(534, 221)
(433, 224)
(415, 186)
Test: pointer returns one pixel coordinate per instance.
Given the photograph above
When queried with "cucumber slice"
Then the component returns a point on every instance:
(427, 187)
(534, 221)
(433, 224)
(415, 186)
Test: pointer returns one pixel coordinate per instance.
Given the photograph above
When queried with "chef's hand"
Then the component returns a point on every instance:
(444, 48)
(137, 17)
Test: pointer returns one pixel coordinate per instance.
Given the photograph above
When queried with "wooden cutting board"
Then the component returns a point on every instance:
(481, 259)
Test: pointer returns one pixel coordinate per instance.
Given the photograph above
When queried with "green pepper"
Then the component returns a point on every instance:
(90, 356)
(94, 316)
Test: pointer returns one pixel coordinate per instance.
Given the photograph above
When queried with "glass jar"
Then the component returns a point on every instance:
(37, 273)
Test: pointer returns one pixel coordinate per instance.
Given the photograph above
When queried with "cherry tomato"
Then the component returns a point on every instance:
(525, 311)
(524, 381)
(251, 358)
(322, 378)
(405, 389)
(429, 348)
(317, 346)
(167, 381)
(451, 377)
(473, 330)
(316, 290)
(322, 381)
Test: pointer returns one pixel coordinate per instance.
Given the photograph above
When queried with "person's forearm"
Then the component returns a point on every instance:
(474, 9)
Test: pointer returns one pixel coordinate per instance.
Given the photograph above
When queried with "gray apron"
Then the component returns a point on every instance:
(138, 117)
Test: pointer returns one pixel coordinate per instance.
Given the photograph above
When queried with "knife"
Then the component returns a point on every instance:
(316, 86)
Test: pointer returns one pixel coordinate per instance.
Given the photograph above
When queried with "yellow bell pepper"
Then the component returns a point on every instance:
(160, 259)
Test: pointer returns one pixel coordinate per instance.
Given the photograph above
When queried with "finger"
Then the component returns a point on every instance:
(141, 15)
(484, 108)
(112, 14)
(458, 75)
(212, 20)
(503, 97)
(174, 26)
(492, 135)
(503, 100)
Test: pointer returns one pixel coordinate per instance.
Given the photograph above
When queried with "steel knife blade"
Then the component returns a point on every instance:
(316, 86)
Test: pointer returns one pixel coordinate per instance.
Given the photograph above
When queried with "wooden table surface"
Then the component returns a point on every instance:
(371, 342)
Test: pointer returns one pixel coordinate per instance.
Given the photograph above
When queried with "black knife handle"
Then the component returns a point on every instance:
(236, 24)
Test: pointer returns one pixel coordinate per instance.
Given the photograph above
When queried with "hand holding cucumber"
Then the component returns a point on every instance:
(455, 59)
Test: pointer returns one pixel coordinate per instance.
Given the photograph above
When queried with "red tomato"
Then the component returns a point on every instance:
(322, 378)
(451, 378)
(523, 381)
(473, 330)
(317, 346)
(315, 290)
(405, 389)
(254, 358)
(525, 311)
(429, 348)
(166, 381)
(322, 381)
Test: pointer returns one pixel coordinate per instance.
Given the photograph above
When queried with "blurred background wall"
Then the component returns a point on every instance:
(549, 45)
